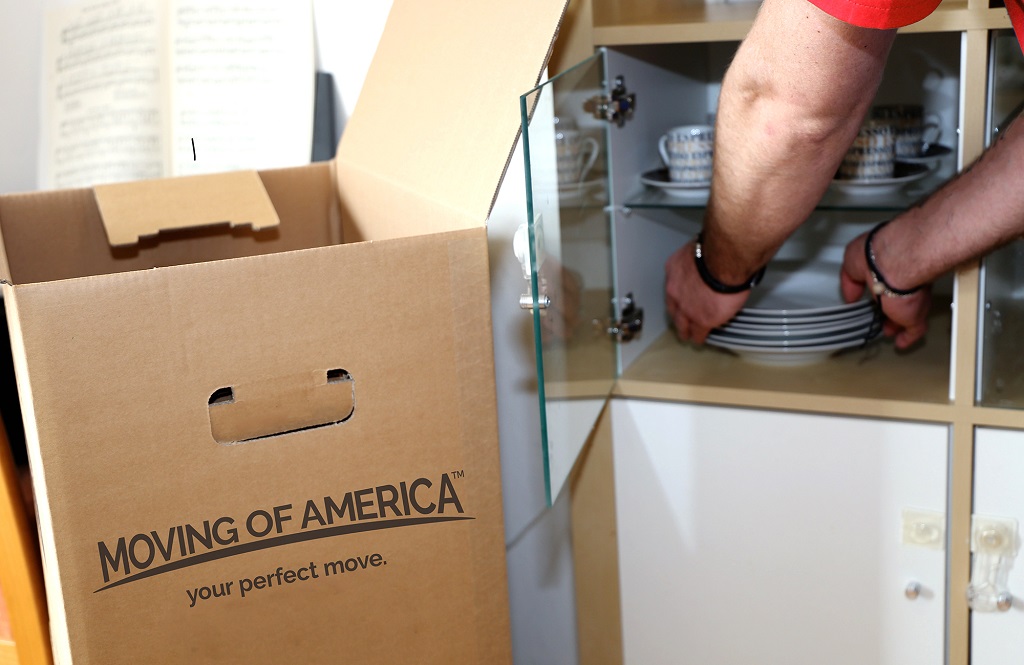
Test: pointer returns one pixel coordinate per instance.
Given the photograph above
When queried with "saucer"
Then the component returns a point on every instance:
(580, 190)
(906, 172)
(933, 154)
(659, 178)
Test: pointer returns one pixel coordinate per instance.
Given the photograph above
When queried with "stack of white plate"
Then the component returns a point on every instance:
(797, 316)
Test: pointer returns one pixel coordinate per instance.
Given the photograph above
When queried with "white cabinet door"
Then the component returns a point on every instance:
(998, 637)
(754, 538)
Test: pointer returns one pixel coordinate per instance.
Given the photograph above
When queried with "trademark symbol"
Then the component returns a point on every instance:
(458, 474)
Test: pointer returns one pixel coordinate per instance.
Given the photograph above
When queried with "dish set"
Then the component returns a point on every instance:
(796, 316)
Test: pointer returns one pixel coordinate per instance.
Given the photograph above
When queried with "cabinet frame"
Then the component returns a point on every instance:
(593, 24)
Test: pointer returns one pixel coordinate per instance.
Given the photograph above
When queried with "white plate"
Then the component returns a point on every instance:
(659, 178)
(906, 172)
(788, 356)
(799, 288)
(787, 331)
(795, 323)
(819, 315)
(858, 333)
(756, 318)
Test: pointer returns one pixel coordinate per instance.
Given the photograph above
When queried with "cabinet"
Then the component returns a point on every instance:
(758, 536)
(671, 57)
(996, 637)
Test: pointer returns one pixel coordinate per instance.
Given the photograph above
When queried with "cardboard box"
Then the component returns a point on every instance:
(252, 442)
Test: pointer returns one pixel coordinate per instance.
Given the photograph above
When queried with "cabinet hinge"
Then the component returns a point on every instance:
(617, 108)
(630, 324)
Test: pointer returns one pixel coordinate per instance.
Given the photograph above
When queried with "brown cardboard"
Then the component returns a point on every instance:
(238, 409)
(137, 209)
(442, 131)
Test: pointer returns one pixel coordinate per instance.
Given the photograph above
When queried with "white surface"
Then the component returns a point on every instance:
(998, 637)
(671, 86)
(347, 34)
(763, 537)
(541, 588)
(21, 33)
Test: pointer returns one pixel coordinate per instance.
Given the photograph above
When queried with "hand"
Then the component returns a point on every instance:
(906, 319)
(695, 308)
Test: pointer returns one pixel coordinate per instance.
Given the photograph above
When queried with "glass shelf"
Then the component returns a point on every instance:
(902, 199)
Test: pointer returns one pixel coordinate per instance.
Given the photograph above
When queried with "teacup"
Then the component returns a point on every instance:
(575, 156)
(687, 151)
(873, 153)
(914, 129)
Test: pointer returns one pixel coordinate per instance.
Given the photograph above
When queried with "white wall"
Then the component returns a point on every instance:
(539, 554)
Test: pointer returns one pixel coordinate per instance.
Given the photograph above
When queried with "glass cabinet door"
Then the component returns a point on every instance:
(570, 260)
(1001, 364)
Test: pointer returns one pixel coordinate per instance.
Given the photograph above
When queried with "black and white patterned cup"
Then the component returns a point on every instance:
(687, 151)
(873, 153)
(575, 155)
(915, 130)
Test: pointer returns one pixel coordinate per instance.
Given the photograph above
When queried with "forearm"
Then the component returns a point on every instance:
(978, 211)
(788, 111)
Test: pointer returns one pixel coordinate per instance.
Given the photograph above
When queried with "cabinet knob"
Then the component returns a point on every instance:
(913, 590)
(1004, 601)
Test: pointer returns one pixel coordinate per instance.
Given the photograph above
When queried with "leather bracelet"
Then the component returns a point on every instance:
(879, 286)
(709, 279)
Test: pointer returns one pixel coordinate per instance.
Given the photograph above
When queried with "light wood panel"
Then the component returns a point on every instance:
(875, 381)
(624, 23)
(595, 551)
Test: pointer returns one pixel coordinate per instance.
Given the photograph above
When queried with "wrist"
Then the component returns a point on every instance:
(711, 281)
(878, 283)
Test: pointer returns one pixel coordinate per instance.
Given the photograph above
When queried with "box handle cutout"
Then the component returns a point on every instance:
(222, 396)
(279, 406)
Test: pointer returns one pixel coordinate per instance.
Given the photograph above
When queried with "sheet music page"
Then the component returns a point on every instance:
(103, 94)
(243, 84)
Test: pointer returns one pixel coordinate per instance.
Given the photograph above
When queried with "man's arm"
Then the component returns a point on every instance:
(976, 212)
(791, 104)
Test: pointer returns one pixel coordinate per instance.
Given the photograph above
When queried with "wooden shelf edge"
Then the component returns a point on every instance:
(997, 417)
(733, 24)
(786, 401)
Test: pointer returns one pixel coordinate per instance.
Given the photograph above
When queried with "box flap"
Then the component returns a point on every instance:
(132, 210)
(438, 115)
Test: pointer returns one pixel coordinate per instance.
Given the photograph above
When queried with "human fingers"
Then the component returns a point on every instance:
(852, 274)
(852, 288)
(907, 337)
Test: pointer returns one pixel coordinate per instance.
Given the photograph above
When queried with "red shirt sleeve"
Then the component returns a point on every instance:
(1015, 8)
(881, 14)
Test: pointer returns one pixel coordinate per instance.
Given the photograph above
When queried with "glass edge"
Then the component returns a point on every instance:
(525, 116)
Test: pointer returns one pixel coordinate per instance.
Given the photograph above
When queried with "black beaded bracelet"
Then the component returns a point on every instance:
(709, 279)
(879, 286)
